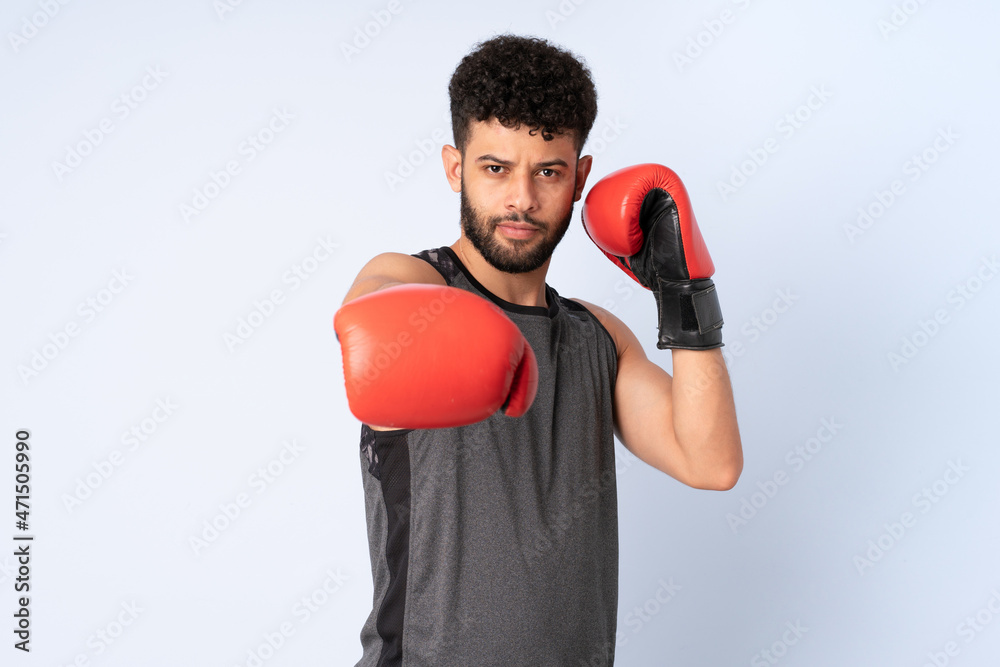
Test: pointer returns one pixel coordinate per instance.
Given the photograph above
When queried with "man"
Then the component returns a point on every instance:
(490, 402)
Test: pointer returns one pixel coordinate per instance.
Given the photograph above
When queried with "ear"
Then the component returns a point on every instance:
(451, 157)
(583, 166)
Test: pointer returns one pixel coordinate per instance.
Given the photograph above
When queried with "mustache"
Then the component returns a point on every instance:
(514, 217)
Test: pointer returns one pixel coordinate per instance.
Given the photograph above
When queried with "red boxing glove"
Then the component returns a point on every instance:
(430, 356)
(641, 218)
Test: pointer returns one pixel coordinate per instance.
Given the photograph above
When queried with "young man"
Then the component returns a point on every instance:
(490, 402)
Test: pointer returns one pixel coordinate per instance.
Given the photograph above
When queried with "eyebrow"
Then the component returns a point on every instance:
(507, 163)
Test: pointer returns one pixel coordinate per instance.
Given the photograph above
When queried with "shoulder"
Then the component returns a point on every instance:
(400, 264)
(622, 336)
(393, 268)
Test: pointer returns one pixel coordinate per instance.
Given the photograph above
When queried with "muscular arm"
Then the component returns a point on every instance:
(392, 268)
(683, 425)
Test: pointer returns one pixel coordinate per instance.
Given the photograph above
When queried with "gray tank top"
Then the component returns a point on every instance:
(497, 543)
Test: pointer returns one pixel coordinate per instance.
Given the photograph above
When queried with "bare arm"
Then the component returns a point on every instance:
(392, 268)
(683, 425)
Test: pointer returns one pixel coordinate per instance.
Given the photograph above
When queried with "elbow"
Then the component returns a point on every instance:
(728, 472)
(728, 475)
(722, 476)
(726, 479)
(722, 479)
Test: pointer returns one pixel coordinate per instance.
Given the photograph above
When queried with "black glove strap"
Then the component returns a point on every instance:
(690, 315)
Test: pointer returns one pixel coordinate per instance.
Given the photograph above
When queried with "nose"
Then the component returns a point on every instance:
(522, 196)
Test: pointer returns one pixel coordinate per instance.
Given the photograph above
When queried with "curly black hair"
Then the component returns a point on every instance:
(523, 81)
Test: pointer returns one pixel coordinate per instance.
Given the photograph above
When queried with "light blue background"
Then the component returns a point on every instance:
(888, 93)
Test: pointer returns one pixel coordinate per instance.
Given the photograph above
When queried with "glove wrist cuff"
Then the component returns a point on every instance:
(689, 313)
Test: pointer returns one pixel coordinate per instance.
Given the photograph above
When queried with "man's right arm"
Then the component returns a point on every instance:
(420, 354)
(392, 268)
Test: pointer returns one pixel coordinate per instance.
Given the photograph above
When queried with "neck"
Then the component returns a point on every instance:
(523, 289)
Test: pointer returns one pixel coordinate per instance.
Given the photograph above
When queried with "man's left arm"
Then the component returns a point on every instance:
(684, 425)
(641, 219)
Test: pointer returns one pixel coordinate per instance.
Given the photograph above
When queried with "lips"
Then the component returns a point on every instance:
(517, 230)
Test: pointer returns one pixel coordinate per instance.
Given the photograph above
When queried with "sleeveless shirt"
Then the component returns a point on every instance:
(496, 543)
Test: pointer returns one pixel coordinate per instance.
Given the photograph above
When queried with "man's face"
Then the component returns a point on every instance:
(517, 194)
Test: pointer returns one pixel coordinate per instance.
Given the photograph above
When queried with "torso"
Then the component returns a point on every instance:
(497, 543)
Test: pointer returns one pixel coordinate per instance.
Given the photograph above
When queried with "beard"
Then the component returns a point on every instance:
(511, 255)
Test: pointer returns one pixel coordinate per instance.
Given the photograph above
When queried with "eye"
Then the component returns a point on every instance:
(494, 168)
(549, 173)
